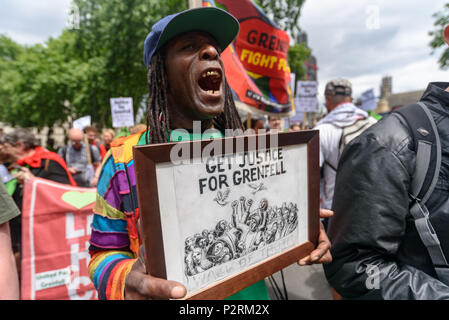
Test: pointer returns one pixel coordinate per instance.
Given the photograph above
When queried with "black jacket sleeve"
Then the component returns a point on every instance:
(371, 208)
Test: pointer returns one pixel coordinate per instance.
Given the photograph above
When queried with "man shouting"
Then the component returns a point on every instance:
(186, 82)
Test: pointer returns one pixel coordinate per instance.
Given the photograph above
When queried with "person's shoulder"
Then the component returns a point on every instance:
(62, 149)
(389, 126)
(121, 147)
(102, 148)
(328, 132)
(54, 156)
(327, 126)
(95, 152)
(391, 133)
(131, 139)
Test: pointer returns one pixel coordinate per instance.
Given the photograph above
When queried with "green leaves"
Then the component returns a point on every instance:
(9, 50)
(285, 13)
(110, 38)
(77, 73)
(38, 81)
(441, 20)
(297, 55)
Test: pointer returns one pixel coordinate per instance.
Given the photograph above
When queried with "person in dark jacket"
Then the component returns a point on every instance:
(376, 249)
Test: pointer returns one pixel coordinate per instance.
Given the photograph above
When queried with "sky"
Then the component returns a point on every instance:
(33, 21)
(365, 40)
(361, 40)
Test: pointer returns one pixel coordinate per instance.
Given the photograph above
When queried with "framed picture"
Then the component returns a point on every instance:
(221, 214)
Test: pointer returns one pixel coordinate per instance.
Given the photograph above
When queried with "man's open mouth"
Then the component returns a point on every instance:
(210, 81)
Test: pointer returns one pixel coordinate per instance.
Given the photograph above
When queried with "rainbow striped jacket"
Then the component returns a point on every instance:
(114, 242)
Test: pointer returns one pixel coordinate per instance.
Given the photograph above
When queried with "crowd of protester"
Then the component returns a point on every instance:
(78, 163)
(23, 156)
(369, 179)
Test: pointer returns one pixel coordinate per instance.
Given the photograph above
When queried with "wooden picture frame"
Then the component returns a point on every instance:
(166, 190)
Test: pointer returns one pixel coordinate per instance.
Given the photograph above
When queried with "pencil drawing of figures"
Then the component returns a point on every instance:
(195, 259)
(219, 252)
(248, 229)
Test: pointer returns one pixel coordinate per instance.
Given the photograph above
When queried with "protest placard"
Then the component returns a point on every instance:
(306, 96)
(222, 219)
(122, 112)
(369, 100)
(82, 122)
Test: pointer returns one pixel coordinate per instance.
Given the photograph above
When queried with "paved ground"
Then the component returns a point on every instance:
(302, 283)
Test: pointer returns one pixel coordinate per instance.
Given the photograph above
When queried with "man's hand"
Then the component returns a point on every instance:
(321, 254)
(22, 175)
(141, 286)
(94, 181)
(73, 170)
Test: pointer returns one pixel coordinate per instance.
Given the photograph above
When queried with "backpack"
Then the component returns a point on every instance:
(353, 130)
(428, 162)
(349, 133)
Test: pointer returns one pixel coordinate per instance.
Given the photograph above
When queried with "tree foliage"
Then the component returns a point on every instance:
(9, 53)
(110, 39)
(100, 57)
(38, 82)
(285, 13)
(77, 73)
(441, 20)
(297, 55)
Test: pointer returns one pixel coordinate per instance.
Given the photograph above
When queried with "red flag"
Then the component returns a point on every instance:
(256, 62)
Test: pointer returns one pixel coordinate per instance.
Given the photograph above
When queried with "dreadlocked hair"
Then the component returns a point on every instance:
(158, 121)
(157, 111)
(230, 118)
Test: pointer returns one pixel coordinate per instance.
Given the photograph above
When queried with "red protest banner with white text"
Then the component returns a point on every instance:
(256, 63)
(56, 221)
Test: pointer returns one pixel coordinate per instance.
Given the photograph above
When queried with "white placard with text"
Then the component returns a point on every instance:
(122, 112)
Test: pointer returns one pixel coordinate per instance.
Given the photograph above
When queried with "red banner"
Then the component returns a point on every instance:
(262, 49)
(56, 222)
(256, 62)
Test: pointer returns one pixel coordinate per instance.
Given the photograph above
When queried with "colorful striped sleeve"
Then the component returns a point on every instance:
(114, 242)
(112, 248)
